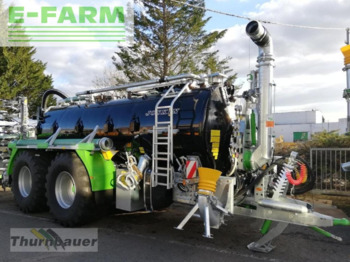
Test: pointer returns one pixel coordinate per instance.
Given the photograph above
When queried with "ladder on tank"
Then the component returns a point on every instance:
(162, 161)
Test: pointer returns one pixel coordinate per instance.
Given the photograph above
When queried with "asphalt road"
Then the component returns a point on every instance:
(152, 237)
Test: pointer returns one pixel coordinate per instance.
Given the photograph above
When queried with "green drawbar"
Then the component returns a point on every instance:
(265, 227)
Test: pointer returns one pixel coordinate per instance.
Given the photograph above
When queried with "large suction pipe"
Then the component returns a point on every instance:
(263, 40)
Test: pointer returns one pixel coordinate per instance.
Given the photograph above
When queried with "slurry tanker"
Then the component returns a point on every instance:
(188, 139)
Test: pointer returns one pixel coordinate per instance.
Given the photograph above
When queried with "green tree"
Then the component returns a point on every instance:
(20, 73)
(169, 39)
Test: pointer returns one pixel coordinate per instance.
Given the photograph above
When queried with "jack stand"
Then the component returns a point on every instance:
(205, 207)
(264, 244)
(206, 201)
(206, 220)
(188, 216)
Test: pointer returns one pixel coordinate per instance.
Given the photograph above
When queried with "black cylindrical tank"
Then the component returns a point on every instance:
(196, 114)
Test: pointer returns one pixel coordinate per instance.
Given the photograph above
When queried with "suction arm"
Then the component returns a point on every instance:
(261, 37)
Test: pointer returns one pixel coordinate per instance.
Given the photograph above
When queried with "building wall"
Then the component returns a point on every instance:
(302, 117)
(308, 121)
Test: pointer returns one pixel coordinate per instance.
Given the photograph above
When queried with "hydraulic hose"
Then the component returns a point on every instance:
(48, 93)
(299, 180)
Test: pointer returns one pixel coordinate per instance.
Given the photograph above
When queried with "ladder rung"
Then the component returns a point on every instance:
(159, 143)
(163, 122)
(161, 174)
(164, 154)
(163, 107)
(162, 184)
(160, 154)
(163, 138)
(160, 158)
(161, 127)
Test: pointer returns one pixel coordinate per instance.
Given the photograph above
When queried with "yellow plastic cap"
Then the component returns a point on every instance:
(346, 52)
(208, 178)
(107, 155)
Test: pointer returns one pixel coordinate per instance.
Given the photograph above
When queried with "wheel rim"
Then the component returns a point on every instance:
(65, 190)
(25, 181)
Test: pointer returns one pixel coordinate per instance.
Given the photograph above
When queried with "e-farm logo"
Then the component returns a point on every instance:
(69, 24)
(53, 240)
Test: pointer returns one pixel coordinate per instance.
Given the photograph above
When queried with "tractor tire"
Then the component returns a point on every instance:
(68, 190)
(28, 181)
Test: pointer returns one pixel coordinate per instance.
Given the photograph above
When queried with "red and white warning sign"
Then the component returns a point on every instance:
(191, 169)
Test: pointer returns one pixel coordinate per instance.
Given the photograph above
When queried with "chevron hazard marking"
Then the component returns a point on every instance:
(191, 169)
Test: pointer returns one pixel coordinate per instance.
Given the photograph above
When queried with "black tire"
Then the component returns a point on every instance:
(68, 190)
(28, 181)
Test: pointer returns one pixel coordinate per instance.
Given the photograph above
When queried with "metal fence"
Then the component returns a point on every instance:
(325, 162)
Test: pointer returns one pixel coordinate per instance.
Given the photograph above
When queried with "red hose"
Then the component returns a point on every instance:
(298, 181)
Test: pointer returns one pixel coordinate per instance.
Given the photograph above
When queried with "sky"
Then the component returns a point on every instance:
(308, 72)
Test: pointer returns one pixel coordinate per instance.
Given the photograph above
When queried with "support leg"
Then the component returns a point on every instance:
(207, 222)
(264, 244)
(189, 215)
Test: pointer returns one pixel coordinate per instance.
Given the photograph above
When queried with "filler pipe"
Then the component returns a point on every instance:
(261, 37)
